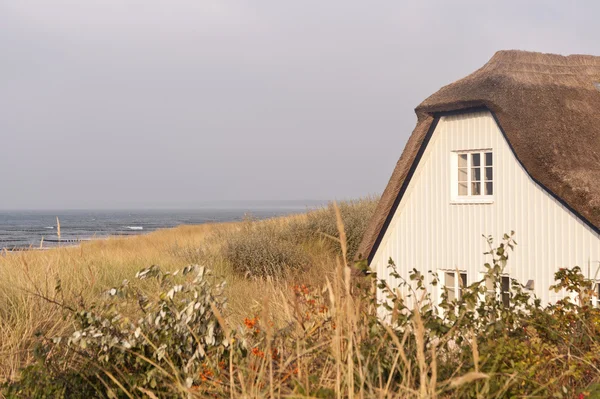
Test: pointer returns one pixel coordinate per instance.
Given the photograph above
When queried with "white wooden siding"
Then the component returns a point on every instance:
(429, 232)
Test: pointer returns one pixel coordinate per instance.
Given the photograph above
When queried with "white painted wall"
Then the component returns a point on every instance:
(429, 232)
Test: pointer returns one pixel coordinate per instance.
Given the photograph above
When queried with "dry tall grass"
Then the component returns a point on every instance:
(84, 272)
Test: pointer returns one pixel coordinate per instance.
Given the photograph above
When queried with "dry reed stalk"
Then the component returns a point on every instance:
(268, 353)
(350, 322)
(336, 342)
(475, 350)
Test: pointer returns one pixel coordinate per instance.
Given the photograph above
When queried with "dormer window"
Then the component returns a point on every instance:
(473, 176)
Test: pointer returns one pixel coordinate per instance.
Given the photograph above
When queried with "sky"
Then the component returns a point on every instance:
(173, 103)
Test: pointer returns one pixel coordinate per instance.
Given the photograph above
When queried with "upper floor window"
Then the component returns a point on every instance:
(474, 176)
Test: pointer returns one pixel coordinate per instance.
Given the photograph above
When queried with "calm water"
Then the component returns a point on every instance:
(21, 229)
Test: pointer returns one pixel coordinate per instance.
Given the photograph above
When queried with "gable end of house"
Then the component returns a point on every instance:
(515, 87)
(419, 155)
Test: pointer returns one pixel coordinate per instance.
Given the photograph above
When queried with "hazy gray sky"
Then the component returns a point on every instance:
(126, 103)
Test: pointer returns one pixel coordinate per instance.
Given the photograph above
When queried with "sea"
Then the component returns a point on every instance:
(32, 229)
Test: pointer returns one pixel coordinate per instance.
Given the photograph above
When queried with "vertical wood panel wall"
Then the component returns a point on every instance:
(429, 232)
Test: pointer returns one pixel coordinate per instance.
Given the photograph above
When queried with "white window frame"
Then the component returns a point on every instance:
(469, 198)
(457, 288)
(596, 298)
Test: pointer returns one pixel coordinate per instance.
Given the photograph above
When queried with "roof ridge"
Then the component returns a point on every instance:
(534, 57)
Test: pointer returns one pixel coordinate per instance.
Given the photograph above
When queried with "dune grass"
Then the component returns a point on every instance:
(79, 275)
(83, 272)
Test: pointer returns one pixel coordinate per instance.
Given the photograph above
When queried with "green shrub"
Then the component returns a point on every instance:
(261, 249)
(273, 247)
(109, 355)
(322, 223)
(519, 350)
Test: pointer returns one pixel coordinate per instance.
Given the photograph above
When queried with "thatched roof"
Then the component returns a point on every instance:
(548, 107)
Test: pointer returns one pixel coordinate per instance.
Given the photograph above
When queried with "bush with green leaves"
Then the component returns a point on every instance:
(272, 248)
(109, 355)
(517, 350)
(322, 223)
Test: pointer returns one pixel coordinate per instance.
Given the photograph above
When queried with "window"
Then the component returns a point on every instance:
(474, 176)
(504, 289)
(454, 285)
(489, 287)
(595, 299)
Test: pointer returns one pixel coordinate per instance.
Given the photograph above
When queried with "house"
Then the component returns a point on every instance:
(515, 146)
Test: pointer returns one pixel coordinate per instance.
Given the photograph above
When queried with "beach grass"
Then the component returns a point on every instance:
(83, 272)
(80, 274)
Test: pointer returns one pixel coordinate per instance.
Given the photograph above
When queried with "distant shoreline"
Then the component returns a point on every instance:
(68, 243)
(24, 231)
(73, 243)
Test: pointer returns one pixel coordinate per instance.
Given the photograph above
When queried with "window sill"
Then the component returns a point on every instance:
(472, 201)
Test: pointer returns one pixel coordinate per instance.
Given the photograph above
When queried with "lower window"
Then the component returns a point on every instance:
(503, 290)
(455, 285)
(595, 299)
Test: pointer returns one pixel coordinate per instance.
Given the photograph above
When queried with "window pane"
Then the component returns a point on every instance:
(505, 284)
(463, 279)
(462, 189)
(475, 188)
(505, 299)
(451, 294)
(450, 280)
(489, 284)
(476, 159)
(450, 285)
(489, 174)
(488, 159)
(489, 188)
(462, 160)
(476, 174)
(462, 174)
(505, 291)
